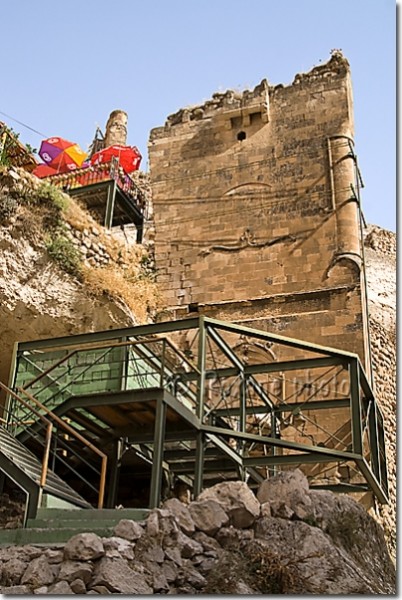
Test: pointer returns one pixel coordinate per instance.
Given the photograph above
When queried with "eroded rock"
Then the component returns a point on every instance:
(117, 577)
(237, 500)
(84, 546)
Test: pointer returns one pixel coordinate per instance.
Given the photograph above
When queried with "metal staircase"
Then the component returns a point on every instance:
(150, 411)
(24, 468)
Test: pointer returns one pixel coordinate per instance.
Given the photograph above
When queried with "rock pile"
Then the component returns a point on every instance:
(288, 539)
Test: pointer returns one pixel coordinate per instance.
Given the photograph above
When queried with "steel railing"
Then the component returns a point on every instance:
(51, 416)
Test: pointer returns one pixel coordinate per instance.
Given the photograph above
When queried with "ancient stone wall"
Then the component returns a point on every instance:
(255, 216)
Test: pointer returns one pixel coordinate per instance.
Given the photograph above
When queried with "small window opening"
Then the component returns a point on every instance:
(193, 307)
(241, 136)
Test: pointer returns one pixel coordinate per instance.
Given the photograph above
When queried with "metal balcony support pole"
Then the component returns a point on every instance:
(114, 473)
(199, 464)
(355, 407)
(202, 338)
(111, 196)
(373, 433)
(159, 439)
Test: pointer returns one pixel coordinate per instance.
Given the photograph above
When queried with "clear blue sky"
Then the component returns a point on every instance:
(67, 65)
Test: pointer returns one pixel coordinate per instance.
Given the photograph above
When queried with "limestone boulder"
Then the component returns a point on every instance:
(208, 515)
(13, 571)
(287, 489)
(162, 523)
(237, 500)
(38, 573)
(119, 578)
(187, 546)
(15, 590)
(117, 547)
(128, 529)
(60, 589)
(78, 586)
(148, 550)
(84, 546)
(181, 513)
(70, 570)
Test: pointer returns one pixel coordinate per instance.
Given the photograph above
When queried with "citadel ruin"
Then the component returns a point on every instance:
(261, 359)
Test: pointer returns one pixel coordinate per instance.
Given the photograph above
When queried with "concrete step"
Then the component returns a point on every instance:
(73, 523)
(36, 535)
(116, 514)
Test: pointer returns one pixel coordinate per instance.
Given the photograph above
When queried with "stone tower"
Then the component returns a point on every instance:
(256, 208)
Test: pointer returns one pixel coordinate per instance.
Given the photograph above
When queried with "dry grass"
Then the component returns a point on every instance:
(140, 294)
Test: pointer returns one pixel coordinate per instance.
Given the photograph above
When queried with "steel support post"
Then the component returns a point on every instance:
(355, 407)
(373, 433)
(199, 464)
(111, 196)
(159, 440)
(202, 339)
(242, 421)
(114, 473)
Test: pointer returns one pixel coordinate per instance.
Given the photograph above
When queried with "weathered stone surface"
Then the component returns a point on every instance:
(40, 591)
(324, 567)
(190, 576)
(14, 570)
(243, 588)
(116, 575)
(54, 557)
(230, 537)
(116, 547)
(207, 542)
(237, 500)
(101, 589)
(84, 546)
(128, 529)
(181, 513)
(70, 570)
(18, 590)
(289, 488)
(159, 583)
(208, 515)
(169, 570)
(188, 547)
(38, 573)
(148, 550)
(265, 509)
(78, 586)
(60, 588)
(162, 522)
(280, 510)
(173, 554)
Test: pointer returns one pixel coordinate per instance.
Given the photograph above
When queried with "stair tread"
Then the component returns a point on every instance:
(29, 464)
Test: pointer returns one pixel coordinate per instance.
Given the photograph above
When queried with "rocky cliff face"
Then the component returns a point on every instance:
(60, 272)
(287, 540)
(380, 251)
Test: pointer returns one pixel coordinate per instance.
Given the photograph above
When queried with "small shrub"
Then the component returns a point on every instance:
(61, 250)
(50, 196)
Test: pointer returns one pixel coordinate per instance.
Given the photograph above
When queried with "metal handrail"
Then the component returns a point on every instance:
(96, 174)
(66, 427)
(48, 437)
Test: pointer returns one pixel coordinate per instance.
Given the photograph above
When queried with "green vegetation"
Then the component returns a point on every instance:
(61, 250)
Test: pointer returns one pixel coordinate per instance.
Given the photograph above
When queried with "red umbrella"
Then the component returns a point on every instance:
(129, 157)
(61, 154)
(44, 170)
